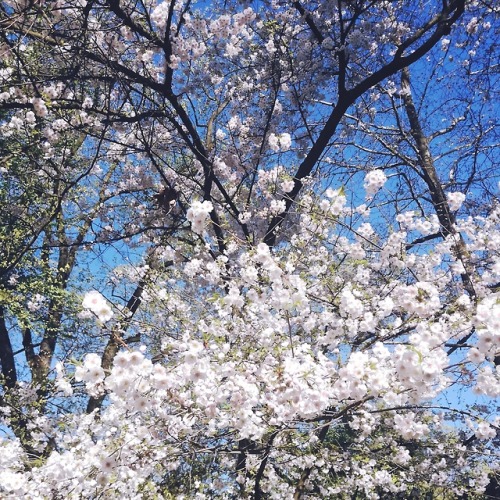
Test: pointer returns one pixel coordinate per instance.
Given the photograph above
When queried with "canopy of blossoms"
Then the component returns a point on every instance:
(248, 249)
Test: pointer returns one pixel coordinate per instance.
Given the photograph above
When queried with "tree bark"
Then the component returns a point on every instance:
(431, 178)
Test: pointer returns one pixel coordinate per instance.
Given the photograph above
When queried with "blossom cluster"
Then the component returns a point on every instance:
(97, 304)
(374, 181)
(197, 215)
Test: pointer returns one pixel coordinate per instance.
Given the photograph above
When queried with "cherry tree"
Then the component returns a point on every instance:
(274, 306)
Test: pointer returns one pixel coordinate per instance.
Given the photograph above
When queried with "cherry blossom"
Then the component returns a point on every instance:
(96, 303)
(314, 314)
